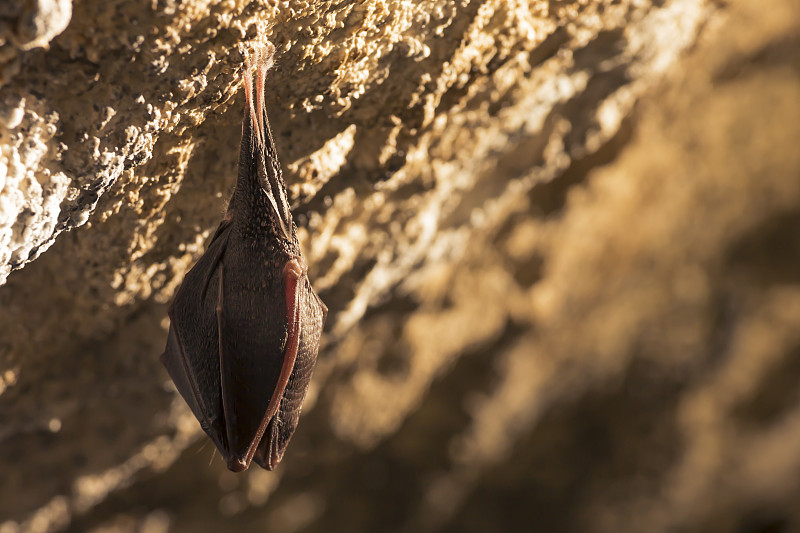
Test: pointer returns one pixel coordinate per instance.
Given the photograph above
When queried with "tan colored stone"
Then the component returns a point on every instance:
(557, 240)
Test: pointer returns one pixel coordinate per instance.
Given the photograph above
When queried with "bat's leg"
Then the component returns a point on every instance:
(257, 132)
(261, 74)
(248, 92)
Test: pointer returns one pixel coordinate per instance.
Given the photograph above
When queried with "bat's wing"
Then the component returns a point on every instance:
(257, 354)
(303, 303)
(192, 353)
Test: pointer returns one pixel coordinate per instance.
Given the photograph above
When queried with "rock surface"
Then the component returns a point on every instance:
(558, 241)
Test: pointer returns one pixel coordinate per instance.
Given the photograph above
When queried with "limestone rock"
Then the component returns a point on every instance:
(558, 241)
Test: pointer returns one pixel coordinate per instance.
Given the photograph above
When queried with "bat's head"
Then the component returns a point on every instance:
(236, 464)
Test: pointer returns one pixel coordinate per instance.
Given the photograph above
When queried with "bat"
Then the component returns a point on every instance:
(245, 324)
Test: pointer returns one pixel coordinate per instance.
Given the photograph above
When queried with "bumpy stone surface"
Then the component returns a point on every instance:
(558, 241)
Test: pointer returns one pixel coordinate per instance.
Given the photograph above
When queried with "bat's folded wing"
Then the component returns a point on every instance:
(254, 357)
(310, 313)
(192, 353)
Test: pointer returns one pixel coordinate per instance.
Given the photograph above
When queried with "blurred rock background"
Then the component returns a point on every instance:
(559, 241)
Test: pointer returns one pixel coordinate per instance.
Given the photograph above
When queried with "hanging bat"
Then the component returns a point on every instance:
(245, 324)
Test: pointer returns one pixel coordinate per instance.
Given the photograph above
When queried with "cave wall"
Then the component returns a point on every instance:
(558, 241)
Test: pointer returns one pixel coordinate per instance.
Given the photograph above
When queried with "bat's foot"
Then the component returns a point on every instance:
(262, 56)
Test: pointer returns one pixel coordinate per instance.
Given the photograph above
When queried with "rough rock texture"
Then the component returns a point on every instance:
(558, 240)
